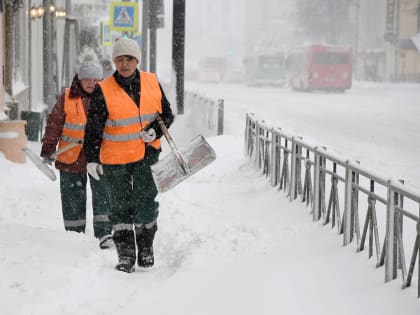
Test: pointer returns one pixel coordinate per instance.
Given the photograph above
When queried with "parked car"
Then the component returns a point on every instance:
(211, 69)
(234, 74)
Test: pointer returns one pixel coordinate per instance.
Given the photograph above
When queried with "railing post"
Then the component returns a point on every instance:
(274, 165)
(220, 116)
(293, 179)
(347, 216)
(257, 145)
(316, 203)
(247, 132)
(390, 253)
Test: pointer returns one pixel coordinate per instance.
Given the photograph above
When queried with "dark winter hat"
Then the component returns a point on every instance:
(126, 47)
(90, 71)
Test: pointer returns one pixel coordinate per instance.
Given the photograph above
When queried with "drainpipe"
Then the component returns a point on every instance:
(47, 62)
(8, 66)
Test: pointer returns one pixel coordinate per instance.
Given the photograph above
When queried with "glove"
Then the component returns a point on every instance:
(47, 160)
(95, 169)
(148, 135)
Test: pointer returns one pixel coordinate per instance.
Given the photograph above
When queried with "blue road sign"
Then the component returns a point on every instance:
(124, 16)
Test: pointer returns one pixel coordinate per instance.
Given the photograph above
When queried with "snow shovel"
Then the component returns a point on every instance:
(41, 165)
(181, 163)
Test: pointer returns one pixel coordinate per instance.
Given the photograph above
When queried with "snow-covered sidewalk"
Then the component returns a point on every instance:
(228, 243)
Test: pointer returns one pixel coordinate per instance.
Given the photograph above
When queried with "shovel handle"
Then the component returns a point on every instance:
(178, 155)
(65, 148)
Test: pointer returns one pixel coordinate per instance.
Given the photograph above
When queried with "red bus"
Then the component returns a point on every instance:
(320, 67)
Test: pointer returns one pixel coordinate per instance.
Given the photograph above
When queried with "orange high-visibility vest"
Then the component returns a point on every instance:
(121, 143)
(74, 128)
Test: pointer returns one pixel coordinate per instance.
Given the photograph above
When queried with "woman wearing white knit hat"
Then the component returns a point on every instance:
(122, 141)
(66, 124)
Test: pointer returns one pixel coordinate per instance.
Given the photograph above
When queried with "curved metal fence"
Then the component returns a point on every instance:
(367, 209)
(206, 113)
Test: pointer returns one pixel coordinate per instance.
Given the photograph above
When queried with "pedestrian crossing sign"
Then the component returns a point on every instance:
(106, 34)
(124, 16)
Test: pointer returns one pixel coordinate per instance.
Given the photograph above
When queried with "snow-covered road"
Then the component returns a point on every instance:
(228, 243)
(377, 124)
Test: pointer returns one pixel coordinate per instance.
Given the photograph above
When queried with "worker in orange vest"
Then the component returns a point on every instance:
(122, 141)
(66, 123)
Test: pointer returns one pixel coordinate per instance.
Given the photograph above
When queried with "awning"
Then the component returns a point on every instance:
(416, 40)
(410, 43)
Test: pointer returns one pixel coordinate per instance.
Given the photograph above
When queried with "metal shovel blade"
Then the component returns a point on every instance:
(168, 172)
(39, 163)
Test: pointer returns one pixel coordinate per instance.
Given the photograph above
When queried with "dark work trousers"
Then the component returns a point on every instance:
(73, 202)
(132, 192)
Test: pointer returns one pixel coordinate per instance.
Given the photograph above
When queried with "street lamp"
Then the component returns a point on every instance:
(47, 12)
(60, 13)
(36, 12)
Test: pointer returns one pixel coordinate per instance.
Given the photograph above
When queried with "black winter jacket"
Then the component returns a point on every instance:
(98, 114)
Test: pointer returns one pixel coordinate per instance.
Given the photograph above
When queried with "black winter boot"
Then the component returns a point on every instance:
(144, 239)
(126, 250)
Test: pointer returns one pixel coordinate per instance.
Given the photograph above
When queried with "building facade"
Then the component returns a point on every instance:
(407, 61)
(2, 60)
(385, 39)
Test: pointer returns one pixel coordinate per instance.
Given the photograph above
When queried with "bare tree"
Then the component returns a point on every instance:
(323, 20)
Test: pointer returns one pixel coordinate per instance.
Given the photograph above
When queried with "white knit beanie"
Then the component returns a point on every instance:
(90, 70)
(126, 47)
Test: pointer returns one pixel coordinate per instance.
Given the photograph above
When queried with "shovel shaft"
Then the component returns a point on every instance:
(41, 165)
(178, 155)
(65, 148)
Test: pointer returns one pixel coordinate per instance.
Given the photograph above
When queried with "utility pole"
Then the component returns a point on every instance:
(156, 20)
(152, 33)
(48, 55)
(178, 51)
(30, 55)
(145, 34)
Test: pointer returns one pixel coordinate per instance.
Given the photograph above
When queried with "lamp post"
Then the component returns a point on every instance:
(36, 12)
(178, 51)
(49, 52)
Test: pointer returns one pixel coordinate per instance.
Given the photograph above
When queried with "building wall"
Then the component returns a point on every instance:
(389, 61)
(2, 50)
(372, 55)
(408, 65)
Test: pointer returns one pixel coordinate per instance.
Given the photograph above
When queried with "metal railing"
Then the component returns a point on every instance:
(208, 113)
(204, 114)
(390, 209)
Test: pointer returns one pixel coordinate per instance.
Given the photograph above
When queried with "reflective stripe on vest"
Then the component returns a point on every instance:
(74, 223)
(126, 122)
(100, 218)
(121, 143)
(73, 129)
